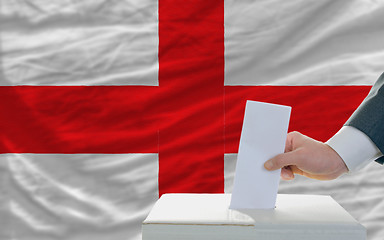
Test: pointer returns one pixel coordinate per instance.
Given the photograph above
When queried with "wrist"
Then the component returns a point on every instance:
(339, 165)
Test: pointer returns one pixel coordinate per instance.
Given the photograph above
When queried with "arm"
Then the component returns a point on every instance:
(369, 117)
(314, 159)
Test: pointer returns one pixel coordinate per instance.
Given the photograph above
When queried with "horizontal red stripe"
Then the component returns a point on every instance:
(184, 125)
(78, 119)
(126, 119)
(317, 111)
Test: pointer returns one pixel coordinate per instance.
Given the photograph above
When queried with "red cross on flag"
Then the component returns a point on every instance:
(108, 104)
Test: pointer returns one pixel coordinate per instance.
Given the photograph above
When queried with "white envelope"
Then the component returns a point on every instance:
(263, 136)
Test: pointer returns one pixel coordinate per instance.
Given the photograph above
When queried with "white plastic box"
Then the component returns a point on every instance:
(207, 217)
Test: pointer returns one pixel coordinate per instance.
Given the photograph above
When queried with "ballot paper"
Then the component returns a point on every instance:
(263, 136)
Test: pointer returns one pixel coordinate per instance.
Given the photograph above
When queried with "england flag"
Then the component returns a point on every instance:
(108, 104)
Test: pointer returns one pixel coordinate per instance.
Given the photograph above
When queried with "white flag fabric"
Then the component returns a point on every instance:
(80, 43)
(303, 42)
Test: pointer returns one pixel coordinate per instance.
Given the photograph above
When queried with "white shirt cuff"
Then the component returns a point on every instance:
(354, 147)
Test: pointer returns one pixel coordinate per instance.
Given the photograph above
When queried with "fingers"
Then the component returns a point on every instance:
(296, 170)
(287, 174)
(282, 160)
(292, 137)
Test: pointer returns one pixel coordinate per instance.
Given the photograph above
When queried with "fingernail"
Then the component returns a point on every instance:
(286, 176)
(268, 165)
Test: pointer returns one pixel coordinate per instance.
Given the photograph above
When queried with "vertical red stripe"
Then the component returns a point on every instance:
(191, 77)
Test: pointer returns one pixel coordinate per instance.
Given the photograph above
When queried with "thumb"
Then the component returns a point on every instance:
(282, 160)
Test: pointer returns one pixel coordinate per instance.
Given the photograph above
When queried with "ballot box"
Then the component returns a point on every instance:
(208, 217)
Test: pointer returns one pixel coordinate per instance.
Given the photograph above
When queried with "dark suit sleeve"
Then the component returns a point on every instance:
(369, 116)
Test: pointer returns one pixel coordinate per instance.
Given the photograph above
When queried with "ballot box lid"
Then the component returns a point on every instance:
(208, 217)
(213, 209)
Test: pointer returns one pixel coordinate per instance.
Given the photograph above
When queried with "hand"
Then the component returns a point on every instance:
(307, 157)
